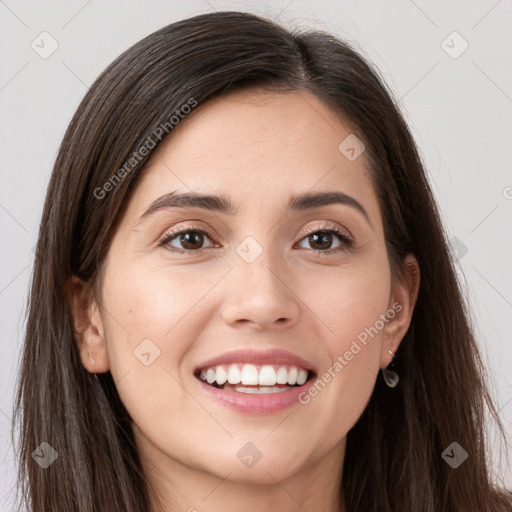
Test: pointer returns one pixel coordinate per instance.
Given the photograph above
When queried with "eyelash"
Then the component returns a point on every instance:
(347, 242)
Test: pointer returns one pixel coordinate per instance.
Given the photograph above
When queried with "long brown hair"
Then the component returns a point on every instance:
(393, 458)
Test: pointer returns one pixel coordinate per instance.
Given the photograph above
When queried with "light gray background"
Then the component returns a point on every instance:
(459, 109)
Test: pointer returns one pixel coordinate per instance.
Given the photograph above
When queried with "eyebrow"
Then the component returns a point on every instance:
(222, 204)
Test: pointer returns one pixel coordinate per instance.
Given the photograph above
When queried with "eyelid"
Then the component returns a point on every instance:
(173, 232)
(328, 226)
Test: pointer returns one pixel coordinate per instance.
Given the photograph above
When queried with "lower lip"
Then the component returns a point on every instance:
(264, 403)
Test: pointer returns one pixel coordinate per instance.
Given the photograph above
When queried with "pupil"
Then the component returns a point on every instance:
(188, 239)
(325, 236)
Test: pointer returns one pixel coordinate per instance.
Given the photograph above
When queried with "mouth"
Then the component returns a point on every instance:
(255, 382)
(254, 378)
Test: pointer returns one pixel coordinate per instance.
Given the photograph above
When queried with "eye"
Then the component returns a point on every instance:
(323, 239)
(191, 239)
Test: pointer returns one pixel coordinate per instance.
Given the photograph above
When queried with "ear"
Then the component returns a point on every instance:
(88, 326)
(404, 294)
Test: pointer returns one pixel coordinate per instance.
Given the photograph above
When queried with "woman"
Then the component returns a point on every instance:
(243, 294)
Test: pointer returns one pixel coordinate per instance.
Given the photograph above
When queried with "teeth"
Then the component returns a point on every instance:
(221, 375)
(256, 391)
(267, 376)
(234, 374)
(282, 375)
(302, 377)
(248, 375)
(292, 375)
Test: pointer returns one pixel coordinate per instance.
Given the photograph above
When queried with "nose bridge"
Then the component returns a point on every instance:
(262, 275)
(257, 290)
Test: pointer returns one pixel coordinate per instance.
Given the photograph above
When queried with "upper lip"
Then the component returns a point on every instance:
(258, 357)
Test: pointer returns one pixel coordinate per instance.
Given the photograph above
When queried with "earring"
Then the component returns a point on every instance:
(390, 377)
(90, 353)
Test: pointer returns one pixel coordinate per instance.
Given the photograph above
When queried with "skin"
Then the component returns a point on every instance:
(258, 148)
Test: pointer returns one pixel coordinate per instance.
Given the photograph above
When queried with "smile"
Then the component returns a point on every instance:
(255, 379)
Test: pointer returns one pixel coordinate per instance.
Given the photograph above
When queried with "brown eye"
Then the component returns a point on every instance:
(321, 241)
(191, 240)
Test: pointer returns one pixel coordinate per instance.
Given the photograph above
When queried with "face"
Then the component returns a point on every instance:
(276, 288)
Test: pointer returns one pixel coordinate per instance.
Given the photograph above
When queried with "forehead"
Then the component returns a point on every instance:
(258, 146)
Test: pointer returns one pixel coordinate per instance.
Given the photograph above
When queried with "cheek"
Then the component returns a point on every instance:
(354, 307)
(156, 304)
(351, 302)
(151, 323)
(359, 323)
(151, 320)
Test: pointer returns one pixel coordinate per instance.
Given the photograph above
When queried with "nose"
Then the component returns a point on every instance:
(261, 295)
